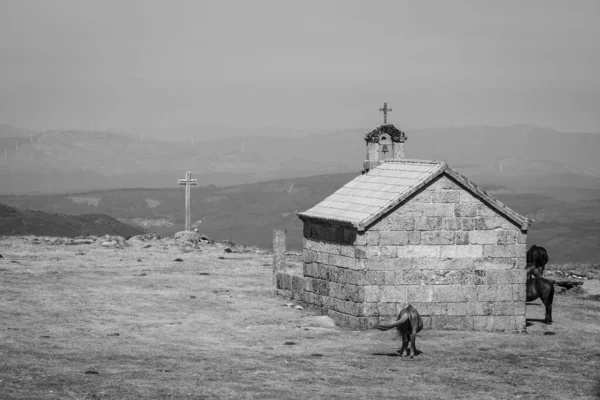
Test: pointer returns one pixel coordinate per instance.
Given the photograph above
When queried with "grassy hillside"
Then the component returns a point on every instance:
(14, 221)
(570, 228)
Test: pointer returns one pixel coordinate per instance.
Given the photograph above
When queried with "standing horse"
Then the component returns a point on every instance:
(541, 288)
(537, 256)
(409, 323)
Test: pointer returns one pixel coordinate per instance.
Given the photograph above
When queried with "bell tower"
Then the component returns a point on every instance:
(384, 143)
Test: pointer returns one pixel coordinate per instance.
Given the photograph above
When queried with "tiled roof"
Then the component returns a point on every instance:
(367, 197)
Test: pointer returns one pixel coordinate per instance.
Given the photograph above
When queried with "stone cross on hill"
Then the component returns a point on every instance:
(385, 111)
(188, 181)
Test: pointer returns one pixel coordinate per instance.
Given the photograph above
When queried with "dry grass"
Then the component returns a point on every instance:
(184, 334)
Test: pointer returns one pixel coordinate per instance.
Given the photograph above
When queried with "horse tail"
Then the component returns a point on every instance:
(385, 327)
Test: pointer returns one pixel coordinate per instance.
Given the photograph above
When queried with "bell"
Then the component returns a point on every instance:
(384, 149)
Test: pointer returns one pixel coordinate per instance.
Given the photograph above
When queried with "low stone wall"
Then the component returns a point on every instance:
(290, 285)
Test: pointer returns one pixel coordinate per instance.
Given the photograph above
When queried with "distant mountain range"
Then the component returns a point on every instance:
(71, 161)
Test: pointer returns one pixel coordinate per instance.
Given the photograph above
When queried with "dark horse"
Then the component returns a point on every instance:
(409, 323)
(542, 288)
(538, 257)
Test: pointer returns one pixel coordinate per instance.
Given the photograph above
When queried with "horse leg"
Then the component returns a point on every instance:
(404, 344)
(413, 338)
(548, 303)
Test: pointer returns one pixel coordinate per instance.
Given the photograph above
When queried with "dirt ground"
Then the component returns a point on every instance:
(86, 322)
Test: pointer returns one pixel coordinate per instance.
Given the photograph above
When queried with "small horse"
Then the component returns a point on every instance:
(409, 323)
(543, 289)
(537, 256)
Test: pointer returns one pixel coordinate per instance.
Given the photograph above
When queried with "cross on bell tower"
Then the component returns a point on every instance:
(385, 111)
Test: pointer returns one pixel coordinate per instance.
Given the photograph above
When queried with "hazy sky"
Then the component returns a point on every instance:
(302, 64)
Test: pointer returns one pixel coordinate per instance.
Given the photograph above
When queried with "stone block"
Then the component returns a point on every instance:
(390, 264)
(466, 251)
(411, 277)
(435, 185)
(367, 252)
(437, 237)
(520, 307)
(321, 287)
(317, 300)
(507, 237)
(335, 290)
(422, 197)
(350, 307)
(492, 222)
(494, 293)
(394, 238)
(412, 209)
(446, 196)
(297, 284)
(449, 183)
(442, 263)
(400, 223)
(451, 224)
(388, 252)
(309, 297)
(438, 210)
(521, 323)
(520, 262)
(387, 309)
(286, 281)
(519, 292)
(521, 237)
(491, 263)
(507, 250)
(478, 223)
(456, 309)
(420, 251)
(373, 238)
(428, 223)
(372, 321)
(495, 323)
(372, 293)
(419, 293)
(455, 277)
(324, 272)
(414, 237)
(449, 294)
(361, 239)
(465, 210)
(430, 308)
(452, 322)
(478, 308)
(466, 197)
(503, 308)
(298, 296)
(368, 309)
(462, 238)
(376, 277)
(483, 237)
(392, 294)
(426, 321)
(347, 251)
(309, 256)
(483, 210)
(497, 276)
(309, 285)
